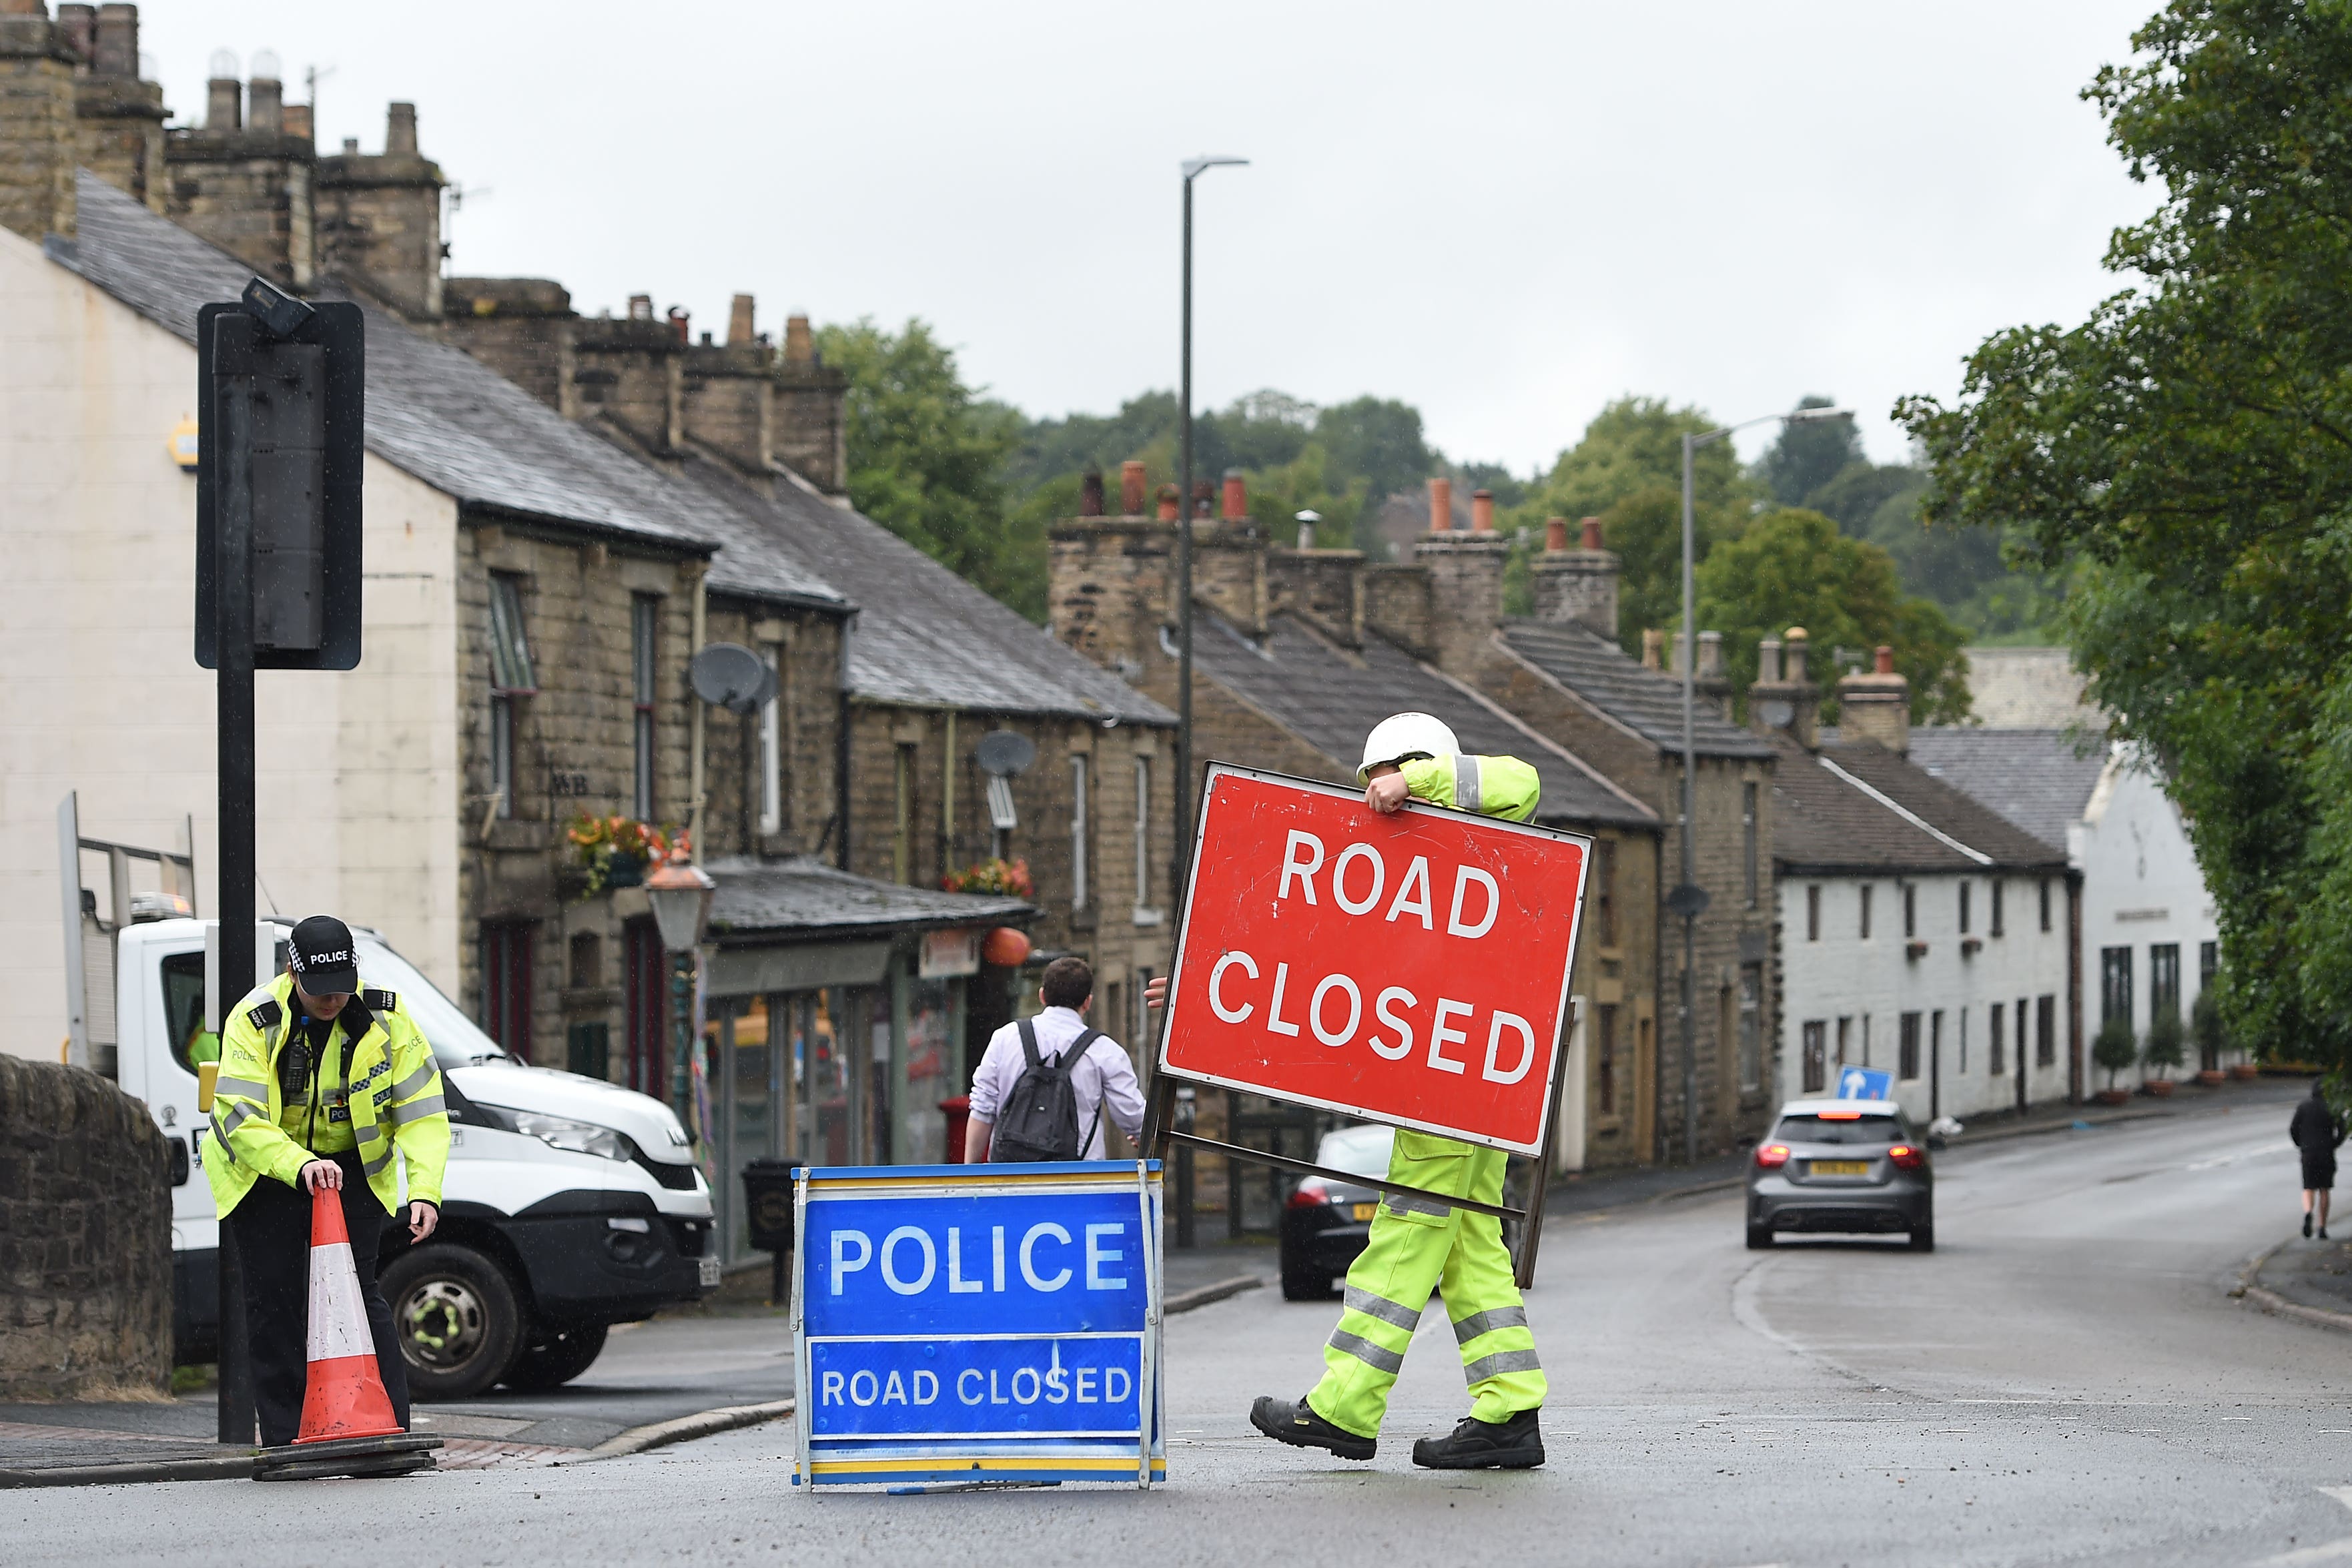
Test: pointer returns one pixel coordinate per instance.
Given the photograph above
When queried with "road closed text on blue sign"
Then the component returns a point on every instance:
(960, 1323)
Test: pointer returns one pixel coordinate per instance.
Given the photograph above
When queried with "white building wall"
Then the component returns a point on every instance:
(358, 776)
(1859, 988)
(2142, 891)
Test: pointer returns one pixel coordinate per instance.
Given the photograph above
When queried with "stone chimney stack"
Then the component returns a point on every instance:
(37, 138)
(1654, 649)
(115, 43)
(1466, 595)
(523, 328)
(739, 323)
(248, 189)
(1710, 681)
(1131, 487)
(1875, 706)
(1791, 702)
(811, 412)
(380, 219)
(728, 397)
(265, 101)
(1577, 586)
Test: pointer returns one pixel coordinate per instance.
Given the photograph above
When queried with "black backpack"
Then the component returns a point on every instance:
(1039, 1120)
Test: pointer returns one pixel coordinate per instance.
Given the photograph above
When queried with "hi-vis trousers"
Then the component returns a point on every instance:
(1418, 1245)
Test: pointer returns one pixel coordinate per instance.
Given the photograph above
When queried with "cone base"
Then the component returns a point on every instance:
(314, 1460)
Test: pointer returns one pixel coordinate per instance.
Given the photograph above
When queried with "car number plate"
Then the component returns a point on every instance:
(709, 1269)
(1841, 1167)
(1364, 1211)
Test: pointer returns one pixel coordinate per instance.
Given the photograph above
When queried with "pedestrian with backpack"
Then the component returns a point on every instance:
(1046, 1083)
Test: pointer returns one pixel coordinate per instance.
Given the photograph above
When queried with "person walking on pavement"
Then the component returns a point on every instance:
(320, 1082)
(1417, 1245)
(2316, 1131)
(1056, 1044)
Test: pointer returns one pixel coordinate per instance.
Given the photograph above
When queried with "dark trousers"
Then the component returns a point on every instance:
(272, 1229)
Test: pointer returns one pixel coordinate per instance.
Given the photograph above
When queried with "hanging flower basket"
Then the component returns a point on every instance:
(1009, 877)
(614, 851)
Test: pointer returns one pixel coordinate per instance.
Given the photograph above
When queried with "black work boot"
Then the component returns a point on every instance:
(1299, 1425)
(1476, 1444)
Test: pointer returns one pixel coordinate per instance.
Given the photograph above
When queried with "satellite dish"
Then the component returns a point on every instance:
(1005, 752)
(733, 677)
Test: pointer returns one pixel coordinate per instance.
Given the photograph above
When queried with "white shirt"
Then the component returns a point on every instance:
(1103, 1076)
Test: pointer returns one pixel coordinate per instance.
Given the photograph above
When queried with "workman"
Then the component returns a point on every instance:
(320, 1082)
(1416, 1244)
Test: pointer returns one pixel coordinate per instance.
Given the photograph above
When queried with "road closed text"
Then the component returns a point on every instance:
(968, 1386)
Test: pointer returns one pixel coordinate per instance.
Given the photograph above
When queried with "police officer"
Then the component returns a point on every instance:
(1417, 1244)
(320, 1082)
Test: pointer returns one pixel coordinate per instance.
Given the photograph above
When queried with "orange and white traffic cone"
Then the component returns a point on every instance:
(344, 1396)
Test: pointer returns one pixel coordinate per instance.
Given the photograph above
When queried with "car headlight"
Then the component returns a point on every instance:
(574, 1137)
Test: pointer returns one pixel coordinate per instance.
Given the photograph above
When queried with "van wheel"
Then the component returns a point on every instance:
(553, 1357)
(1760, 1238)
(456, 1318)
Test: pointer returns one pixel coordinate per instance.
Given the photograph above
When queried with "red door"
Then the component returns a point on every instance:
(644, 972)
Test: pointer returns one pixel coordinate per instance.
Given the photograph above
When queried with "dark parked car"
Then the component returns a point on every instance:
(1841, 1166)
(1323, 1223)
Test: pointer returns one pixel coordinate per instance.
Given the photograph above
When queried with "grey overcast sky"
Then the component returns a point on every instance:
(1506, 214)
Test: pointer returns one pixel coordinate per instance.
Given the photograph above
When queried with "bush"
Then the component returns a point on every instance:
(2205, 1028)
(2165, 1044)
(2114, 1049)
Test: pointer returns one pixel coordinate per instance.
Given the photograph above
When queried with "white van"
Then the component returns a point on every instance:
(570, 1204)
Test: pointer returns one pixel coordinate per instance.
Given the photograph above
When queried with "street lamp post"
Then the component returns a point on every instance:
(680, 893)
(1689, 900)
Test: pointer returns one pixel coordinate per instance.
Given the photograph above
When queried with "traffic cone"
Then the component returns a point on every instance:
(344, 1396)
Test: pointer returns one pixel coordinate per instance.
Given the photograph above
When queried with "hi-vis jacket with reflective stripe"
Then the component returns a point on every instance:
(1491, 786)
(394, 1085)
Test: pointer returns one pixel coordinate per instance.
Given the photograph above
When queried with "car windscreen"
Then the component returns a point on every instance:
(1876, 1131)
(456, 1040)
(1360, 1150)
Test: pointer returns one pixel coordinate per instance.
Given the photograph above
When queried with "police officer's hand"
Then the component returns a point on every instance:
(1155, 991)
(422, 1217)
(1386, 793)
(322, 1173)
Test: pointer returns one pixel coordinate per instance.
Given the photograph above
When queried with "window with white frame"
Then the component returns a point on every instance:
(1145, 914)
(512, 678)
(772, 748)
(645, 612)
(1078, 833)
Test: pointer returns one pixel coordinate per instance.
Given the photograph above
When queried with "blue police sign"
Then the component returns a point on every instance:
(958, 1324)
(1862, 1083)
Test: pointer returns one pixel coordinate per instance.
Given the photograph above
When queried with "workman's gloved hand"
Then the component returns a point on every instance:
(422, 1217)
(320, 1174)
(1386, 793)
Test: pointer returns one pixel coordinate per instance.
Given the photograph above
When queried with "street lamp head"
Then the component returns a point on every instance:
(1808, 415)
(680, 893)
(1193, 166)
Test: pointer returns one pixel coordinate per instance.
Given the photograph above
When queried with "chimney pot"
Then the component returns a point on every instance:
(1203, 493)
(223, 98)
(78, 27)
(1441, 505)
(1592, 533)
(1482, 512)
(1710, 656)
(1090, 493)
(400, 131)
(1168, 503)
(116, 47)
(1796, 653)
(1131, 487)
(800, 343)
(1555, 534)
(679, 320)
(265, 105)
(1236, 497)
(706, 339)
(1654, 643)
(641, 306)
(350, 146)
(1768, 661)
(739, 321)
(1884, 660)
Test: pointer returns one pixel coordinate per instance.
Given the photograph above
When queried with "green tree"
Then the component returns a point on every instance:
(2190, 443)
(2114, 1048)
(1794, 568)
(1806, 457)
(1378, 440)
(927, 457)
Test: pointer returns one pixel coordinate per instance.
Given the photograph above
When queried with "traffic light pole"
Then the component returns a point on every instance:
(233, 623)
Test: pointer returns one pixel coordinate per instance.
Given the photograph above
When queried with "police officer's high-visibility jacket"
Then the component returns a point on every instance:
(1491, 786)
(391, 1084)
(1418, 1244)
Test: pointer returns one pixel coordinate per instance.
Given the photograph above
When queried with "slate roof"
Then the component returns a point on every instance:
(1647, 701)
(2033, 778)
(804, 897)
(437, 413)
(1330, 697)
(1869, 810)
(923, 635)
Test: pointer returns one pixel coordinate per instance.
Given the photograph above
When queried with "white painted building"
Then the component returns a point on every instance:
(1919, 933)
(2149, 940)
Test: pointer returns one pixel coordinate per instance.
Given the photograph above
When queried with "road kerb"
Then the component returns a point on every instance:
(685, 1428)
(2251, 1288)
(1202, 1295)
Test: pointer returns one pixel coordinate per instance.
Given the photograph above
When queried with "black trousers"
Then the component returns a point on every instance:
(272, 1230)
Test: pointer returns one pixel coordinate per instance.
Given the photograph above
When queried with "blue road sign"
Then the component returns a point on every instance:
(959, 1323)
(1862, 1083)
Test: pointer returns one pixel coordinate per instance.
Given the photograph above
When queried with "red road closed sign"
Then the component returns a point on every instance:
(1410, 968)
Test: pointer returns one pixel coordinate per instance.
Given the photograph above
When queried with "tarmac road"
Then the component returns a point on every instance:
(2067, 1380)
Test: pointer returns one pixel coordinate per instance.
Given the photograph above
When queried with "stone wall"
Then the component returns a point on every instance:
(37, 129)
(85, 1238)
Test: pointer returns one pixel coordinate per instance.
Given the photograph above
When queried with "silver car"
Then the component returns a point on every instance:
(1848, 1165)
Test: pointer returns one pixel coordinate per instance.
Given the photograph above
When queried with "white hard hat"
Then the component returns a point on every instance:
(1404, 735)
